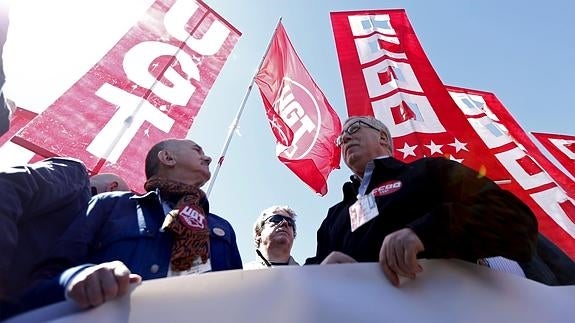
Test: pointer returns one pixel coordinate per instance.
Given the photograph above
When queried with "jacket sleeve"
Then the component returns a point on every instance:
(36, 189)
(324, 242)
(558, 262)
(476, 218)
(236, 259)
(70, 256)
(322, 248)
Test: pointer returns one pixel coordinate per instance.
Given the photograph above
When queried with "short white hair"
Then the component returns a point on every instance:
(376, 123)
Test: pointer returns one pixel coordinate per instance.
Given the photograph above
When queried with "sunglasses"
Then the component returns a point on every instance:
(277, 218)
(351, 129)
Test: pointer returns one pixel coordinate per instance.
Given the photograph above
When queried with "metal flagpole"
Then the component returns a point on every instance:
(234, 124)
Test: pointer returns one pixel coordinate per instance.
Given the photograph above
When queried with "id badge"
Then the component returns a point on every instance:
(197, 268)
(362, 211)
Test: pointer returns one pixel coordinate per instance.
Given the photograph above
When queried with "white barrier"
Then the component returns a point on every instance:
(446, 291)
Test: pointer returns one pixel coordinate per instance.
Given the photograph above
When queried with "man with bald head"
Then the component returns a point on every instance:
(168, 231)
(107, 182)
(394, 212)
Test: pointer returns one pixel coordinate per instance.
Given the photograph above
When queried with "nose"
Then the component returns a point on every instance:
(345, 138)
(208, 159)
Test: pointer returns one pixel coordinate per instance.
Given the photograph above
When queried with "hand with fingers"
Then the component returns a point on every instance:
(98, 284)
(336, 257)
(398, 255)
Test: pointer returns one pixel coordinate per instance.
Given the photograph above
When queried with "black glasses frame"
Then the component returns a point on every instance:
(351, 129)
(277, 218)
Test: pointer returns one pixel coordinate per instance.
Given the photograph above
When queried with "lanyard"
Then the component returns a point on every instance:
(366, 178)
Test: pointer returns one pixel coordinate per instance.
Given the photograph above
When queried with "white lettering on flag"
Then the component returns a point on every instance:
(292, 112)
(176, 20)
(139, 57)
(490, 132)
(431, 123)
(365, 25)
(549, 201)
(368, 48)
(527, 181)
(374, 84)
(562, 144)
(131, 112)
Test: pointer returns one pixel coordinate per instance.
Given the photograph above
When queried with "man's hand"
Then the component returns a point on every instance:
(336, 257)
(98, 284)
(398, 255)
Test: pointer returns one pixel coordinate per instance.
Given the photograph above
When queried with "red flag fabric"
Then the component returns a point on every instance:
(13, 154)
(148, 87)
(551, 192)
(426, 121)
(562, 147)
(302, 120)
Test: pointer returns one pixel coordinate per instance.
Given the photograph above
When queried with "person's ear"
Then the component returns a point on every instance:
(166, 158)
(113, 186)
(258, 240)
(383, 138)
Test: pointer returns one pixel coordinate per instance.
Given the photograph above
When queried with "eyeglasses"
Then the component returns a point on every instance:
(277, 218)
(351, 129)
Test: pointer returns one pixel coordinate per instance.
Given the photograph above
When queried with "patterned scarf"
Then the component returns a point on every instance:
(187, 222)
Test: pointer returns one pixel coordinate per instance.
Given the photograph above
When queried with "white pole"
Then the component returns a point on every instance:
(235, 122)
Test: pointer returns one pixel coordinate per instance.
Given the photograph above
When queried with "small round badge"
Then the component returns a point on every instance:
(219, 232)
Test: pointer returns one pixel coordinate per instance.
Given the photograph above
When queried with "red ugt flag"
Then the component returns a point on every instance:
(302, 121)
(148, 87)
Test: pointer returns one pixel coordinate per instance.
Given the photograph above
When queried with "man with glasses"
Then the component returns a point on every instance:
(394, 213)
(274, 233)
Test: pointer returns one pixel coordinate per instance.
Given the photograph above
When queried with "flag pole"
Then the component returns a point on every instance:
(236, 120)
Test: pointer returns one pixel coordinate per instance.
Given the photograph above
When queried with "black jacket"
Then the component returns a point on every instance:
(453, 210)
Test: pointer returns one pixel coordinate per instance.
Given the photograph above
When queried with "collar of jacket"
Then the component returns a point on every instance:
(155, 196)
(351, 188)
(291, 262)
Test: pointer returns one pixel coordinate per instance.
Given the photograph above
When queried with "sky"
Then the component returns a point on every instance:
(521, 52)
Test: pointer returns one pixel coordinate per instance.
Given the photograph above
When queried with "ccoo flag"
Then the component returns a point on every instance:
(302, 121)
(387, 74)
(562, 147)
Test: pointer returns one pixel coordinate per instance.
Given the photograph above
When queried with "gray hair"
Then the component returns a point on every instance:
(376, 123)
(259, 224)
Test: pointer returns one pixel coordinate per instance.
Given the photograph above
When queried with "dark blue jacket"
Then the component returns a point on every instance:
(126, 227)
(37, 204)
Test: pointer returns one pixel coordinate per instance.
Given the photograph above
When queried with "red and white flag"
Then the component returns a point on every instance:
(148, 87)
(13, 154)
(387, 74)
(301, 119)
(562, 147)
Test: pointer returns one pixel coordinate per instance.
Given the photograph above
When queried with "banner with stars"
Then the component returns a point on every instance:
(386, 74)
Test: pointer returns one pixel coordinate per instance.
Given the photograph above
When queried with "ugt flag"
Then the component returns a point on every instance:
(302, 121)
(148, 87)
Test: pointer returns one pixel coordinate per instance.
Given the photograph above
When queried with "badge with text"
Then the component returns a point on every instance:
(386, 188)
(192, 217)
(362, 211)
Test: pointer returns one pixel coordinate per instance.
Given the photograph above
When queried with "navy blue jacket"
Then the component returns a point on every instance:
(37, 204)
(126, 227)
